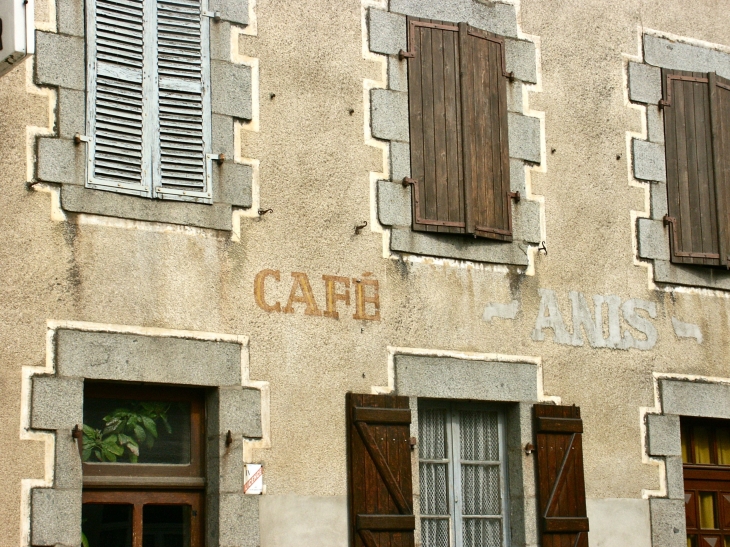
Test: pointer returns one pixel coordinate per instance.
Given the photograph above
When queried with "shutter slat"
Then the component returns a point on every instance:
(690, 167)
(720, 115)
(379, 471)
(561, 485)
(179, 60)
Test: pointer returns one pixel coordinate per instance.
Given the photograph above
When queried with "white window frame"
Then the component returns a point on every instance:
(150, 186)
(453, 443)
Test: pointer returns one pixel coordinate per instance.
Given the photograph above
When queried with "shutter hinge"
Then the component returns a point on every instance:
(78, 138)
(215, 15)
(529, 448)
(511, 76)
(403, 54)
(668, 220)
(662, 104)
(218, 158)
(408, 180)
(515, 196)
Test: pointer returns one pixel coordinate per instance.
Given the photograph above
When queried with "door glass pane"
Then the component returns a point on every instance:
(434, 532)
(166, 526)
(686, 445)
(479, 436)
(707, 510)
(482, 533)
(126, 431)
(722, 435)
(107, 525)
(702, 444)
(692, 541)
(480, 490)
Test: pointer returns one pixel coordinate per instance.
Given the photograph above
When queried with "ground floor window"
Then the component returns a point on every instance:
(463, 475)
(143, 463)
(706, 458)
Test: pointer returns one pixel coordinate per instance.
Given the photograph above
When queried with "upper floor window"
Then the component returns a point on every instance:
(697, 134)
(149, 101)
(457, 92)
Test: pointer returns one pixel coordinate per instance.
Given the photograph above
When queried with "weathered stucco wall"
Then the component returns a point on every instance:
(318, 173)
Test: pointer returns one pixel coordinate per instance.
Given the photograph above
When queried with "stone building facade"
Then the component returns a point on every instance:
(270, 256)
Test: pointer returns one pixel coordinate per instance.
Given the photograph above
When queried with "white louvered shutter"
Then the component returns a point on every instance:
(116, 96)
(149, 99)
(183, 106)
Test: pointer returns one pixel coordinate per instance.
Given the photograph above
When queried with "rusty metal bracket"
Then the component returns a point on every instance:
(408, 180)
(79, 138)
(511, 76)
(262, 212)
(669, 221)
(77, 433)
(529, 448)
(359, 227)
(218, 158)
(662, 104)
(229, 438)
(542, 248)
(515, 196)
(413, 442)
(403, 54)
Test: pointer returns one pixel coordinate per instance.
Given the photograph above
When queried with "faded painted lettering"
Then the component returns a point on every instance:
(643, 337)
(337, 291)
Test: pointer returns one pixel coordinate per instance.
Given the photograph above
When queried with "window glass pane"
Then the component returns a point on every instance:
(107, 525)
(707, 510)
(703, 447)
(434, 532)
(433, 475)
(479, 436)
(686, 446)
(127, 431)
(434, 491)
(166, 526)
(482, 533)
(432, 434)
(722, 435)
(480, 490)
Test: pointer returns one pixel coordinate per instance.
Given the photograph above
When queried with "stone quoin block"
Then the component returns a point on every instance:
(61, 160)
(520, 59)
(389, 115)
(60, 60)
(70, 17)
(232, 183)
(71, 113)
(666, 53)
(400, 161)
(397, 74)
(524, 137)
(645, 83)
(388, 34)
(668, 523)
(394, 203)
(234, 11)
(56, 517)
(57, 403)
(649, 161)
(231, 89)
(653, 239)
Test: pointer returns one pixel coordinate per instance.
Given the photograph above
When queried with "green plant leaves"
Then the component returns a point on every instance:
(124, 430)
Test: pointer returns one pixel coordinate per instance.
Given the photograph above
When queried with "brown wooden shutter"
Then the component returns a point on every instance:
(561, 486)
(458, 130)
(486, 149)
(379, 469)
(692, 116)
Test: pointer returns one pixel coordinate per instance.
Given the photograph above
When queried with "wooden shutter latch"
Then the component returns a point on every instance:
(402, 54)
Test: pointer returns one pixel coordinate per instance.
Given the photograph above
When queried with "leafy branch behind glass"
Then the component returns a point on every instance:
(125, 430)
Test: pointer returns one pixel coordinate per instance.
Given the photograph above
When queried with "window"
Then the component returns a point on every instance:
(697, 135)
(148, 103)
(142, 453)
(706, 459)
(458, 130)
(463, 475)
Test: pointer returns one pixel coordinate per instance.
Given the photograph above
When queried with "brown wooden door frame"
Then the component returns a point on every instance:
(138, 499)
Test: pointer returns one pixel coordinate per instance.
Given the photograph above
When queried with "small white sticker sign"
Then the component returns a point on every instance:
(253, 477)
